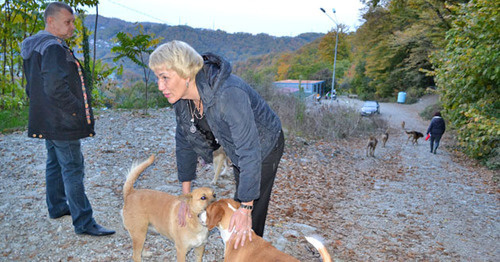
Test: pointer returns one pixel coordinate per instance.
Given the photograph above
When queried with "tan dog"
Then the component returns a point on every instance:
(372, 144)
(221, 164)
(385, 137)
(146, 207)
(414, 136)
(219, 214)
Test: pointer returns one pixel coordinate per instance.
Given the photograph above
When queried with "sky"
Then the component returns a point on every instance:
(273, 17)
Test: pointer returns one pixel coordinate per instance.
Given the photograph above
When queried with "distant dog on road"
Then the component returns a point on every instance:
(403, 125)
(372, 144)
(385, 137)
(414, 136)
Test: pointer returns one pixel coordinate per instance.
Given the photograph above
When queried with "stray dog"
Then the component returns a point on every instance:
(219, 214)
(403, 125)
(414, 136)
(221, 163)
(146, 207)
(385, 137)
(372, 144)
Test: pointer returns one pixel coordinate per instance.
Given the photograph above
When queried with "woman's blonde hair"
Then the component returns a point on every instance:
(178, 56)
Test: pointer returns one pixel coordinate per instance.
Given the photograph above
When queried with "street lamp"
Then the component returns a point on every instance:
(336, 42)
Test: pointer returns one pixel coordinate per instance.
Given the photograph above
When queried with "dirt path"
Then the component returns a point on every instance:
(404, 204)
(434, 208)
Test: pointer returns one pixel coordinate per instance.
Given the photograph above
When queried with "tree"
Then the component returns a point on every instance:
(136, 48)
(395, 43)
(468, 76)
(20, 19)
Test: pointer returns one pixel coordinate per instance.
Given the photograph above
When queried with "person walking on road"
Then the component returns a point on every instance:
(436, 130)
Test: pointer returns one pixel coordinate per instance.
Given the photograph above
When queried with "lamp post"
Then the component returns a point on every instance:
(335, 56)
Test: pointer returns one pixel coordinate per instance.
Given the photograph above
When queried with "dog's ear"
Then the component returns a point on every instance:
(215, 212)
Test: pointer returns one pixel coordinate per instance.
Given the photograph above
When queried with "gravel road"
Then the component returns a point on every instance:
(403, 204)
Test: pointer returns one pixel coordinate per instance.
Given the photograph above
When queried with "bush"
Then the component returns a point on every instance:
(134, 97)
(328, 122)
(429, 111)
(468, 76)
(13, 119)
(413, 94)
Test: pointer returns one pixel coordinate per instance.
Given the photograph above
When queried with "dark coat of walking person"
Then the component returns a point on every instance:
(60, 112)
(215, 108)
(436, 129)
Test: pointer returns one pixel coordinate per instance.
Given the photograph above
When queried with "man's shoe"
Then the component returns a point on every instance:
(67, 213)
(97, 230)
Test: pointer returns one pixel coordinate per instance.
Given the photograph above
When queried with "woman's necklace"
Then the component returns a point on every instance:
(195, 112)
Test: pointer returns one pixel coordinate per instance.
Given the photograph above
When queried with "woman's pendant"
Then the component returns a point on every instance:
(192, 128)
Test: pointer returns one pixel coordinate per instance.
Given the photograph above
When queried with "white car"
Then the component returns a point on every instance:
(369, 108)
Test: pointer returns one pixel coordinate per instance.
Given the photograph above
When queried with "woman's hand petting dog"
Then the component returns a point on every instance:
(241, 225)
(183, 211)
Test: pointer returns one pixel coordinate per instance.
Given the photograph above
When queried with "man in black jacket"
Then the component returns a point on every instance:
(60, 112)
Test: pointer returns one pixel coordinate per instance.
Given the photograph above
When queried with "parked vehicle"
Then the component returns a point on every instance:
(369, 108)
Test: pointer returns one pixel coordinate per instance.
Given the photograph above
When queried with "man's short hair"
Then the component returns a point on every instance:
(54, 8)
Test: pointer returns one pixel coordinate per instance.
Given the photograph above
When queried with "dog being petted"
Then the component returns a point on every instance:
(145, 207)
(219, 215)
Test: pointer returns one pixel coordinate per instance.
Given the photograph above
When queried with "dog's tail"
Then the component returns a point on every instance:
(134, 173)
(321, 249)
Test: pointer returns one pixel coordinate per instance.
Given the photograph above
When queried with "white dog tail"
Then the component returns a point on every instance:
(321, 249)
(134, 173)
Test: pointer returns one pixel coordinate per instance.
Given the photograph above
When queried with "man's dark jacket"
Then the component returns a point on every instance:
(241, 121)
(60, 106)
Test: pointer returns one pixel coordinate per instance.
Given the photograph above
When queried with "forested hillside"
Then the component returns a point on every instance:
(234, 47)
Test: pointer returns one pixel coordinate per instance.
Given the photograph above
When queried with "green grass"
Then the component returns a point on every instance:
(13, 120)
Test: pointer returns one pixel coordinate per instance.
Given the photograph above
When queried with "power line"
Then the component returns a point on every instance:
(137, 11)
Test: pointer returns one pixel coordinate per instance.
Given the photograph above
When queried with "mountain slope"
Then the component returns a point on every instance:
(234, 47)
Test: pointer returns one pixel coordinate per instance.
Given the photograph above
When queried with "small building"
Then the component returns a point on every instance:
(293, 86)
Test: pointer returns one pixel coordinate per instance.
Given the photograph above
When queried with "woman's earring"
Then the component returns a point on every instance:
(187, 84)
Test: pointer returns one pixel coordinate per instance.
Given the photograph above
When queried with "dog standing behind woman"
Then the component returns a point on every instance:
(221, 164)
(146, 207)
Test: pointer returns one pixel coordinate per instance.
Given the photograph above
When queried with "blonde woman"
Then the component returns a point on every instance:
(216, 108)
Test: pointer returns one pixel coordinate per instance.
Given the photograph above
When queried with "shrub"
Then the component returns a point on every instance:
(468, 76)
(429, 111)
(327, 121)
(13, 119)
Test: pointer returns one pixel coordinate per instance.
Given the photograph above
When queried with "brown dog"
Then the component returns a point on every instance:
(219, 214)
(385, 137)
(221, 164)
(414, 136)
(370, 148)
(146, 207)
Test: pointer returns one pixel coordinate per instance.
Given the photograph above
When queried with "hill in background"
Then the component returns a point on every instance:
(235, 47)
